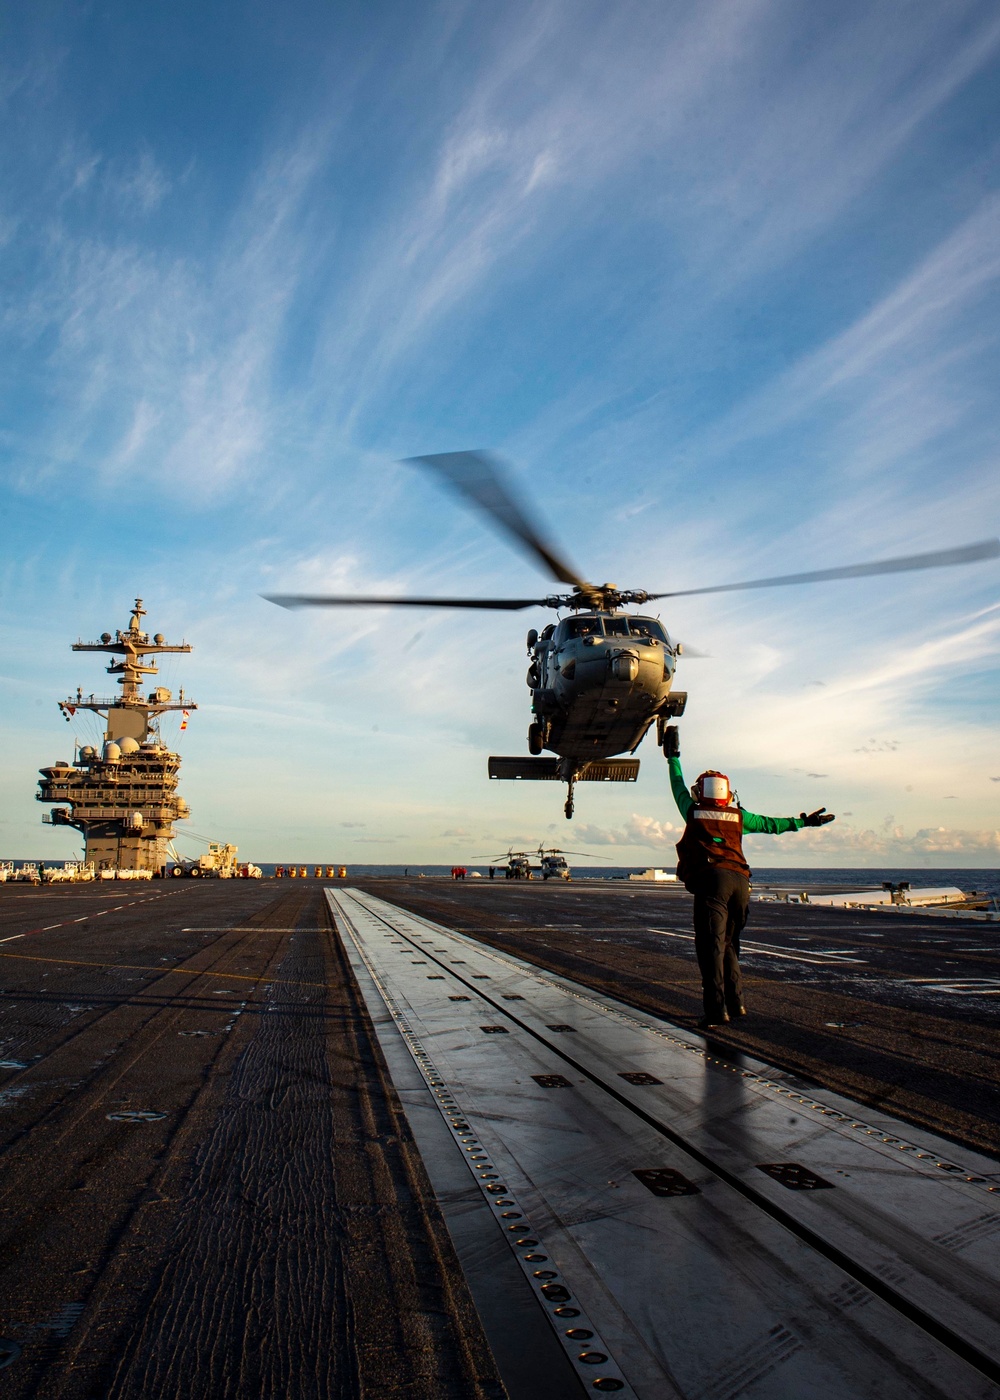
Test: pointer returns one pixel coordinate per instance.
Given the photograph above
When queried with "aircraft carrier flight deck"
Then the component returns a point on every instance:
(416, 1138)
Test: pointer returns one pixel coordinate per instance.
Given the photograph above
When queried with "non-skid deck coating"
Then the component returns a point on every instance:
(883, 1281)
(207, 1188)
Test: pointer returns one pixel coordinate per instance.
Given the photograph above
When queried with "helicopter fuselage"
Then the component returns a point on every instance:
(598, 680)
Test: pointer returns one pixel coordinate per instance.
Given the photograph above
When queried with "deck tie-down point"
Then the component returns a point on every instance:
(665, 1181)
(794, 1176)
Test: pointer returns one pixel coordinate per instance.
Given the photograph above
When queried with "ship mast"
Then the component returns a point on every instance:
(130, 715)
(123, 795)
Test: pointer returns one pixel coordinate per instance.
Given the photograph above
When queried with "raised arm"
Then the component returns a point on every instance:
(753, 823)
(774, 826)
(678, 786)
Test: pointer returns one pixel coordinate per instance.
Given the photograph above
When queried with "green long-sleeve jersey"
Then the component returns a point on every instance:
(772, 826)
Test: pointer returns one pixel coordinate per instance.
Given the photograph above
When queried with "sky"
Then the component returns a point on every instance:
(719, 278)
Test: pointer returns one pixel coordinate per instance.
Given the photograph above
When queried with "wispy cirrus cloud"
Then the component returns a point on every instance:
(723, 278)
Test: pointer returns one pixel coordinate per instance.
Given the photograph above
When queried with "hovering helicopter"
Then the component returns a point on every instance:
(602, 676)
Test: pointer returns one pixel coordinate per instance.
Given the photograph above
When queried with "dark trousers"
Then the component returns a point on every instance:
(721, 904)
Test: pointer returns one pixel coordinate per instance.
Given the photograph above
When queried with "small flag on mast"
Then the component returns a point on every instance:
(184, 719)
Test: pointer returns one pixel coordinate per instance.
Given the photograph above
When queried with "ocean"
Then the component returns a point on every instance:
(808, 878)
(984, 881)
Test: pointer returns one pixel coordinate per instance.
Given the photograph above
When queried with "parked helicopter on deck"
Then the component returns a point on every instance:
(600, 678)
(552, 866)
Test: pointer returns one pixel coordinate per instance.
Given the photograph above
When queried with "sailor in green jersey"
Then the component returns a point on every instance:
(711, 864)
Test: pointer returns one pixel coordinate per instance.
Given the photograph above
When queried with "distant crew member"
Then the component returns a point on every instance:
(712, 866)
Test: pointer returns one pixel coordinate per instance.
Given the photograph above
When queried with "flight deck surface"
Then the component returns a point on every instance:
(227, 1172)
(901, 1011)
(690, 1226)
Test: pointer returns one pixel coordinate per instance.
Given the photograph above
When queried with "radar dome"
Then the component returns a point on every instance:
(112, 753)
(88, 751)
(129, 745)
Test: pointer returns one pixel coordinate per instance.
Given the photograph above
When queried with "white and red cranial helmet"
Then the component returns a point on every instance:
(713, 789)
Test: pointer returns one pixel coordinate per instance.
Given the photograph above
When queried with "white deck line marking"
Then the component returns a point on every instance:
(15, 935)
(818, 960)
(883, 1218)
(960, 986)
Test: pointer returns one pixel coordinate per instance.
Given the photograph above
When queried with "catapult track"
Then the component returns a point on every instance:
(818, 1290)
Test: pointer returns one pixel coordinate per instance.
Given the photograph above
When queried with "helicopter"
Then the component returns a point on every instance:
(600, 677)
(553, 863)
(518, 865)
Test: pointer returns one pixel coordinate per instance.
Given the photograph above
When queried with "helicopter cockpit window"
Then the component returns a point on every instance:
(583, 627)
(646, 627)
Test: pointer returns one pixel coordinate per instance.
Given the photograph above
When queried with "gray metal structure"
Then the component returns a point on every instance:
(122, 796)
(691, 1223)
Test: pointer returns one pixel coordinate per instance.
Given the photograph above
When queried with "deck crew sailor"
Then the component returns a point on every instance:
(712, 866)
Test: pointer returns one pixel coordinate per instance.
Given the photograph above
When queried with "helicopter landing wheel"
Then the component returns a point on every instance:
(534, 739)
(568, 809)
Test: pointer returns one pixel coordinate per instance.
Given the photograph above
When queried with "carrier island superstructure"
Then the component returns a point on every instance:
(123, 795)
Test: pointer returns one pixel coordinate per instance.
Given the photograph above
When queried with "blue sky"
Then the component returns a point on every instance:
(720, 279)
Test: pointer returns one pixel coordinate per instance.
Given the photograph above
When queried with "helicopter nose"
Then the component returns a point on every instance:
(625, 667)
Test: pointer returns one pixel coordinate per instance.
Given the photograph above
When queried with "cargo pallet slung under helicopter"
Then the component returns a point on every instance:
(546, 770)
(690, 1223)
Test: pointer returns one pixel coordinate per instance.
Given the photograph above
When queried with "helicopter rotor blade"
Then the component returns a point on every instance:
(329, 600)
(936, 559)
(479, 477)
